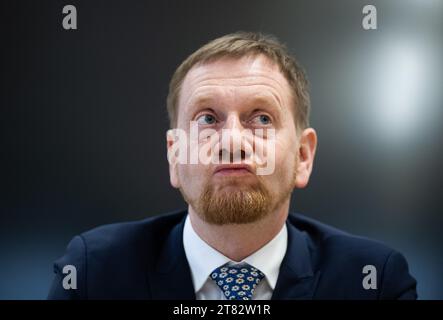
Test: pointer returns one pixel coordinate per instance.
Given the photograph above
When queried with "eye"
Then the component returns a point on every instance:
(206, 119)
(262, 119)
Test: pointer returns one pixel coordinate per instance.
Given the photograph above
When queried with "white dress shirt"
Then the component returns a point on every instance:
(203, 259)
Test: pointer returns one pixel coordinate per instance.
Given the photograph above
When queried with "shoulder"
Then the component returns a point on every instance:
(343, 260)
(148, 232)
(116, 255)
(321, 236)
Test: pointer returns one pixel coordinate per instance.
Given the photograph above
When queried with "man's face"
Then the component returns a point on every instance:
(237, 94)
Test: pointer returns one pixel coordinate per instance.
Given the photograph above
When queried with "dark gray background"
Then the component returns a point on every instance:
(83, 120)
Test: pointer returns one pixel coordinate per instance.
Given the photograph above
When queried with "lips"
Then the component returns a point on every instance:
(233, 169)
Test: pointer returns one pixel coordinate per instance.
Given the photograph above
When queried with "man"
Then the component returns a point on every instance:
(239, 144)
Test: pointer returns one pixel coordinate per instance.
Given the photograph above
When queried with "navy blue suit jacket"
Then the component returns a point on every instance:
(146, 260)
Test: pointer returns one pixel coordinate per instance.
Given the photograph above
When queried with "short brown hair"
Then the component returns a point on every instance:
(241, 44)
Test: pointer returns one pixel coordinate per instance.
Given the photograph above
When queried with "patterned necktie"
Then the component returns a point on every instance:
(237, 282)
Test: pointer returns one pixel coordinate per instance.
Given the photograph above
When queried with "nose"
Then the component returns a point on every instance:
(234, 148)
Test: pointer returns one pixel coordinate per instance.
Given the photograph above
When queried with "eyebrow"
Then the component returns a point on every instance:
(206, 99)
(268, 100)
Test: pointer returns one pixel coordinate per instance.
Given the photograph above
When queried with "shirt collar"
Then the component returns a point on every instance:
(203, 259)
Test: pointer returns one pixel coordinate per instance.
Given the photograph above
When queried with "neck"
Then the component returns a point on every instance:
(252, 236)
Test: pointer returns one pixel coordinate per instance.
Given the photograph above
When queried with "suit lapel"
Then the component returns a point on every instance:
(296, 279)
(171, 278)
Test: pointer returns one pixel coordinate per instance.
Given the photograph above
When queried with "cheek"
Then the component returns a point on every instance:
(285, 159)
(192, 176)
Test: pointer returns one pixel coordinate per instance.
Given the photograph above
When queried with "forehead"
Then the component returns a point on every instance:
(248, 75)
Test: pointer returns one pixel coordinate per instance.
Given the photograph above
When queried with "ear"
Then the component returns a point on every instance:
(171, 146)
(306, 153)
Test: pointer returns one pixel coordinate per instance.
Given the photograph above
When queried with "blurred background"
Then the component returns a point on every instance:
(83, 120)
